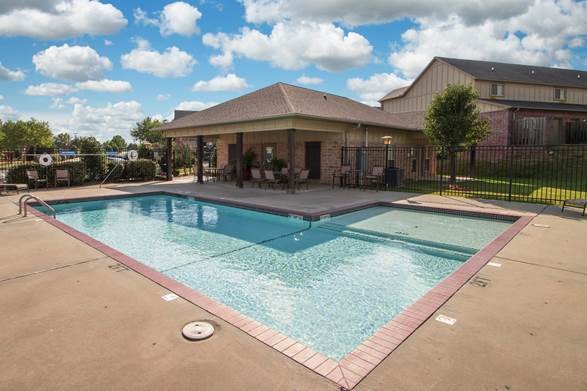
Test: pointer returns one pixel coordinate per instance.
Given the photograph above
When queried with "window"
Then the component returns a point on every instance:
(528, 131)
(268, 153)
(497, 90)
(560, 93)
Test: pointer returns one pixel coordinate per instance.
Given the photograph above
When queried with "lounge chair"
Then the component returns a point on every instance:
(303, 178)
(256, 177)
(342, 175)
(226, 173)
(33, 176)
(375, 178)
(580, 204)
(62, 176)
(270, 179)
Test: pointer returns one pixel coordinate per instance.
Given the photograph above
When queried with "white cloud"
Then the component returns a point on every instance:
(230, 82)
(105, 85)
(309, 80)
(8, 74)
(163, 97)
(105, 121)
(74, 99)
(7, 113)
(50, 89)
(59, 19)
(543, 35)
(194, 105)
(1, 98)
(108, 42)
(170, 63)
(77, 63)
(175, 18)
(294, 46)
(376, 86)
(351, 12)
(57, 103)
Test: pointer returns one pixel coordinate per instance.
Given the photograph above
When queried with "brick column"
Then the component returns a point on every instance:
(291, 160)
(239, 159)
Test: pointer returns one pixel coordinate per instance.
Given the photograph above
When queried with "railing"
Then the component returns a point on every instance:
(545, 174)
(22, 204)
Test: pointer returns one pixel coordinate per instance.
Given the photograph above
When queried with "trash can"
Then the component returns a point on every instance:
(393, 177)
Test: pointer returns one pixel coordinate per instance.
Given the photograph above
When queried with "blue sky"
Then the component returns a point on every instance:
(95, 67)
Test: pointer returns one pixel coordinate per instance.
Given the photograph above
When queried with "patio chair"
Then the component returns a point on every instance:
(302, 179)
(226, 173)
(33, 176)
(375, 178)
(342, 175)
(270, 179)
(62, 176)
(580, 204)
(256, 177)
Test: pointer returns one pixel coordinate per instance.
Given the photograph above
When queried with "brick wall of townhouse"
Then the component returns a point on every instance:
(499, 124)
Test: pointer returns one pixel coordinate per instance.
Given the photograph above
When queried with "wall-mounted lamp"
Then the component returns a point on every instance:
(387, 140)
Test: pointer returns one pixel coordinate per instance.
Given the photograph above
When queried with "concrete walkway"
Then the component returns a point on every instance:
(75, 319)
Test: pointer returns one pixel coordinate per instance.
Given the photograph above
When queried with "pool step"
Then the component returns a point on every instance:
(400, 236)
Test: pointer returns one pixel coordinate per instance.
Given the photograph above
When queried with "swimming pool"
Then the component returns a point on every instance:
(329, 284)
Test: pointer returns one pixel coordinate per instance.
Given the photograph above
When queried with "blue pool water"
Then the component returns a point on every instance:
(329, 285)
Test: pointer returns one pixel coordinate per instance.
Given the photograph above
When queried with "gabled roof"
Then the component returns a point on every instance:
(537, 105)
(504, 72)
(281, 100)
(395, 93)
(517, 73)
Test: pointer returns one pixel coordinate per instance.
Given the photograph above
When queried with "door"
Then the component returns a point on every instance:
(313, 159)
(232, 154)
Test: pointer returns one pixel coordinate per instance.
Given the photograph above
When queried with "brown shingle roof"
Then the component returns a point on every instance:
(538, 105)
(394, 93)
(279, 100)
(517, 73)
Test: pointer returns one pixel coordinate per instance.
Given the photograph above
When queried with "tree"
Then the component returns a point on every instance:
(94, 161)
(31, 133)
(116, 143)
(144, 131)
(62, 141)
(453, 120)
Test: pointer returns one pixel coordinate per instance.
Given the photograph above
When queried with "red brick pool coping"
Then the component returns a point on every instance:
(357, 364)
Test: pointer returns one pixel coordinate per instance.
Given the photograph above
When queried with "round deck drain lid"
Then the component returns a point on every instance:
(197, 331)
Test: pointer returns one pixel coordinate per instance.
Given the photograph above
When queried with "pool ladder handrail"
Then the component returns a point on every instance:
(22, 203)
(118, 163)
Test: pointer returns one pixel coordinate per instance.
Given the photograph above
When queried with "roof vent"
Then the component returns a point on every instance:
(492, 69)
(578, 76)
(532, 71)
(325, 97)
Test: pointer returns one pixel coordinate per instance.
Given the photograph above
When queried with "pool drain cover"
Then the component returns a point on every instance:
(196, 331)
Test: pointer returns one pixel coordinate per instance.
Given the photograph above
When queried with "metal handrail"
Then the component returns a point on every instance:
(22, 202)
(110, 173)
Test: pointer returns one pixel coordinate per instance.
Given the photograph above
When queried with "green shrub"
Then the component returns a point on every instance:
(17, 173)
(118, 173)
(140, 169)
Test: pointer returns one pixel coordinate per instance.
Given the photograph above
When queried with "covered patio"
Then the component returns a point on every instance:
(304, 128)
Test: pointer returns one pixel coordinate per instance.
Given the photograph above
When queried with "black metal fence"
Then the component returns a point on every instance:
(545, 174)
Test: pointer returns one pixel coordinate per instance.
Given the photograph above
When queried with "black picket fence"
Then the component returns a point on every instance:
(544, 174)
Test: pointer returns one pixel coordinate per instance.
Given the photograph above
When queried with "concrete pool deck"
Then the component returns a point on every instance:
(76, 319)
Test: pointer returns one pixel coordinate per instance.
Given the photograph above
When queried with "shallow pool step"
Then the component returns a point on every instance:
(365, 233)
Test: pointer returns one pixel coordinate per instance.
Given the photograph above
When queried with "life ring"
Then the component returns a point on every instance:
(132, 155)
(45, 160)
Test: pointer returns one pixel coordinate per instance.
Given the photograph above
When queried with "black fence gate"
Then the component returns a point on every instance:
(545, 174)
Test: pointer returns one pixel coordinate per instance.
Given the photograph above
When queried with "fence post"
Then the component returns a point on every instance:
(510, 171)
(441, 169)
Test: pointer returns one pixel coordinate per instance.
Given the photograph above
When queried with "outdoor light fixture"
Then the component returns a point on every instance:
(387, 140)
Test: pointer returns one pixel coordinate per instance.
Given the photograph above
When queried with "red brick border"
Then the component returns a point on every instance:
(357, 364)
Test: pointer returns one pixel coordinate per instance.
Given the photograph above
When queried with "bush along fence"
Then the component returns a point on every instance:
(545, 174)
(82, 168)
